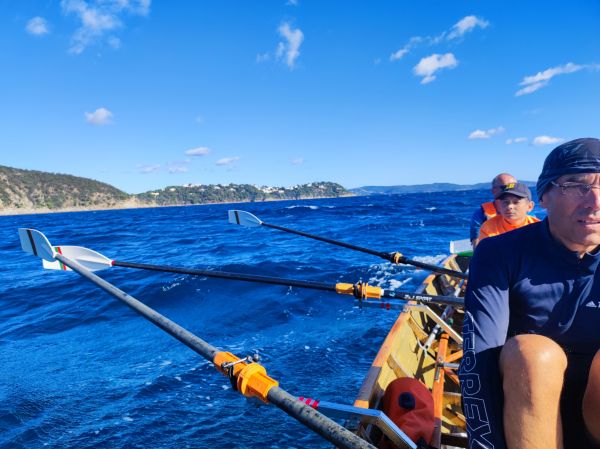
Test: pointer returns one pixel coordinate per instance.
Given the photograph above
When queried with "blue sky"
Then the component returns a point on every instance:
(143, 94)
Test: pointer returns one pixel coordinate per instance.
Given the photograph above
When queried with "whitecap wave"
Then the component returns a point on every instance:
(432, 260)
(303, 206)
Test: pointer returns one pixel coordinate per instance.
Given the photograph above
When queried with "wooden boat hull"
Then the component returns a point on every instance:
(409, 350)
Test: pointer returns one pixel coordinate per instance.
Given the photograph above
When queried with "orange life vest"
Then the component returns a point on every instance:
(498, 225)
(409, 404)
(489, 210)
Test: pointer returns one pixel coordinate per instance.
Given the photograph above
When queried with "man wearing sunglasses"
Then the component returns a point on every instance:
(530, 373)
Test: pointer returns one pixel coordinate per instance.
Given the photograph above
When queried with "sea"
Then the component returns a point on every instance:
(78, 369)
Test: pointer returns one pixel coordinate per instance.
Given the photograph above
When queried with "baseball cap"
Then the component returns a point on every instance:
(514, 188)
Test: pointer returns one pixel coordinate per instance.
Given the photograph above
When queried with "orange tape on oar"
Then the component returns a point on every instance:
(360, 290)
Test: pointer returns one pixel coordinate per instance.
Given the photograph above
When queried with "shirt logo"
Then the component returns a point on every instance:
(594, 304)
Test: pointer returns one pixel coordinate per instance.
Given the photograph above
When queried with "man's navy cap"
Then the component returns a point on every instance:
(576, 156)
(514, 188)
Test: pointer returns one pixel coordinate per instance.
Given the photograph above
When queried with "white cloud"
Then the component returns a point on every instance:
(481, 134)
(546, 140)
(516, 140)
(466, 25)
(100, 116)
(114, 42)
(399, 54)
(264, 57)
(459, 29)
(293, 2)
(37, 26)
(227, 161)
(298, 161)
(178, 166)
(290, 48)
(431, 64)
(148, 168)
(541, 79)
(199, 151)
(98, 17)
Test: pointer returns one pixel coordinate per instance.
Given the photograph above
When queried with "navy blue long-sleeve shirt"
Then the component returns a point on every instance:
(477, 219)
(521, 282)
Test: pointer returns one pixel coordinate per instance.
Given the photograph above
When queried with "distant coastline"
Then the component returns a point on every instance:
(27, 192)
(126, 206)
(36, 192)
(423, 188)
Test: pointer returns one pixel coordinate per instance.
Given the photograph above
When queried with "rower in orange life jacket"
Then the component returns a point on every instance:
(513, 203)
(488, 210)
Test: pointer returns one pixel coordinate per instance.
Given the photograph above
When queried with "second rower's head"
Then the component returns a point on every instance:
(500, 181)
(514, 202)
(569, 189)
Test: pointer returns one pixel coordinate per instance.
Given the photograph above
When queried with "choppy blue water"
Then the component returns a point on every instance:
(79, 369)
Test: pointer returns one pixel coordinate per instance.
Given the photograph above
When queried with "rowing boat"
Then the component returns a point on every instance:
(424, 344)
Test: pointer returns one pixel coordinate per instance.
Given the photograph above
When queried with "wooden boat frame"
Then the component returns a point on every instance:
(424, 343)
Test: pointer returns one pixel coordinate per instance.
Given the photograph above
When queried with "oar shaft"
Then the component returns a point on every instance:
(186, 337)
(387, 256)
(314, 420)
(407, 296)
(435, 268)
(326, 240)
(328, 429)
(228, 275)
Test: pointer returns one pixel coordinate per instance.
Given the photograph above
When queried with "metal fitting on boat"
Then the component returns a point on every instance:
(249, 378)
(362, 290)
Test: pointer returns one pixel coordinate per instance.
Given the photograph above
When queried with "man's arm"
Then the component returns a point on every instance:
(477, 220)
(484, 332)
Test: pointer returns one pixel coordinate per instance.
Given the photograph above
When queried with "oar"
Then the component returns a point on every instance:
(246, 219)
(251, 378)
(365, 293)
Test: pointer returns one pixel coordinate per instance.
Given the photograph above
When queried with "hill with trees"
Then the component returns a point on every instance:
(26, 191)
(32, 189)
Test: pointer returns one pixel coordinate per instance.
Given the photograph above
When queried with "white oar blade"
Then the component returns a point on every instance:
(243, 218)
(36, 243)
(90, 259)
(460, 246)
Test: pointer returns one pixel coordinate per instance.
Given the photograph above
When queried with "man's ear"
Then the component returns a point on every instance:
(530, 208)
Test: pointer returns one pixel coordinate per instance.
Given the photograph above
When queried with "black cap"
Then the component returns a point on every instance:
(576, 156)
(514, 188)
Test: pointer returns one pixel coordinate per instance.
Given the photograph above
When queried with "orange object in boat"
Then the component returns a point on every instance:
(409, 404)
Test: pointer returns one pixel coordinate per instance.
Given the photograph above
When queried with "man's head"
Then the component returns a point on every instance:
(501, 180)
(563, 189)
(513, 201)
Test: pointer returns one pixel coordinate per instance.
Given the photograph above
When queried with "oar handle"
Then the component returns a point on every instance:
(328, 429)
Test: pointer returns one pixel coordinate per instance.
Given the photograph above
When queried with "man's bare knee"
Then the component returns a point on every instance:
(591, 400)
(532, 360)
